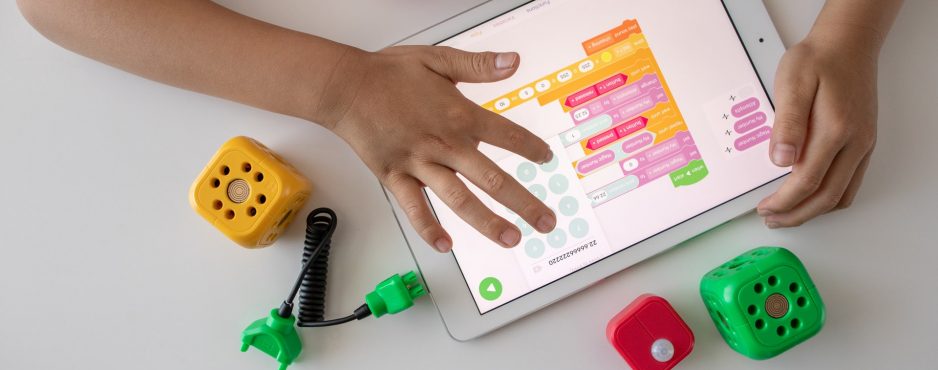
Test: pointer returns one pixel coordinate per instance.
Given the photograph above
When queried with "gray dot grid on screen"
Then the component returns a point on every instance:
(556, 195)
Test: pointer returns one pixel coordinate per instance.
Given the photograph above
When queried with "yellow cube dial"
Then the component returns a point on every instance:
(249, 193)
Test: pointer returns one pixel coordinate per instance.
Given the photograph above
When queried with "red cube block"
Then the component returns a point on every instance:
(649, 334)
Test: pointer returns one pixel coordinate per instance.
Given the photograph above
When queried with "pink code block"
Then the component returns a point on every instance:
(745, 107)
(631, 126)
(749, 122)
(611, 83)
(581, 97)
(751, 139)
(634, 144)
(595, 162)
(602, 140)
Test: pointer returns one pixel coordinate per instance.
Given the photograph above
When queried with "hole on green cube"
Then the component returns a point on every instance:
(723, 322)
(759, 288)
(802, 301)
(773, 281)
(794, 287)
(781, 331)
(760, 324)
(795, 323)
(752, 309)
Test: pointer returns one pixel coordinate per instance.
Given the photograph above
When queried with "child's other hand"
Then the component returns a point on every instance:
(825, 126)
(402, 114)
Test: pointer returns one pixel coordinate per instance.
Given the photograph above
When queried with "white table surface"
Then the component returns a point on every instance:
(103, 265)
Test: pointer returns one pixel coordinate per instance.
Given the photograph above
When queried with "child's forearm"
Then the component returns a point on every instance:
(856, 23)
(201, 46)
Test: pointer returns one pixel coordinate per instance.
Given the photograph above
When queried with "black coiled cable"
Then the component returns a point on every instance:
(311, 283)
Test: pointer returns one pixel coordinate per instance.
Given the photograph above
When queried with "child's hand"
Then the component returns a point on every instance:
(401, 112)
(825, 126)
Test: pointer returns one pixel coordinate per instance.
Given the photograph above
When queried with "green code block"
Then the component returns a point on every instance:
(763, 302)
(690, 174)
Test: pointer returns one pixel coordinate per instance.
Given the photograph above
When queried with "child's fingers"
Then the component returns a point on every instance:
(795, 91)
(485, 174)
(457, 197)
(855, 183)
(464, 66)
(499, 131)
(828, 196)
(407, 191)
(808, 174)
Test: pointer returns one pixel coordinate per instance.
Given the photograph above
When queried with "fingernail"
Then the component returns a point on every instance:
(510, 237)
(772, 224)
(546, 223)
(783, 155)
(764, 212)
(549, 157)
(443, 245)
(505, 60)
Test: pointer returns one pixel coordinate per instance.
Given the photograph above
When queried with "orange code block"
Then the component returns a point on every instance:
(249, 193)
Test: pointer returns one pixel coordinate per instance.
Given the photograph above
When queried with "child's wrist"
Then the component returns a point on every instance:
(331, 91)
(855, 38)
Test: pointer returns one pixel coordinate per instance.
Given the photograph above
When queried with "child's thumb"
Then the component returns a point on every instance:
(464, 66)
(795, 99)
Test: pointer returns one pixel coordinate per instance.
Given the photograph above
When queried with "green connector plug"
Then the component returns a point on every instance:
(394, 294)
(275, 336)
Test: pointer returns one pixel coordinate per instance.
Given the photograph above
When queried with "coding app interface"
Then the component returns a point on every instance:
(654, 114)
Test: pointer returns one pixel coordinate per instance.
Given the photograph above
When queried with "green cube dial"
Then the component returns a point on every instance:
(763, 302)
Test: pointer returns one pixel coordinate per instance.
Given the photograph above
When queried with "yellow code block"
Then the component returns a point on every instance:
(249, 193)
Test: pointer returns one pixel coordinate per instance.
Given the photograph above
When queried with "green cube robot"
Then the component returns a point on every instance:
(763, 302)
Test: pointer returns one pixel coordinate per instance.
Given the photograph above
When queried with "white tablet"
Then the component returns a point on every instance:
(658, 114)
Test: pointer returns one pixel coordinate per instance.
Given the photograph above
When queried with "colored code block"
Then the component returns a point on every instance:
(753, 138)
(668, 165)
(595, 162)
(616, 98)
(602, 140)
(581, 97)
(745, 107)
(749, 122)
(611, 83)
(691, 174)
(631, 126)
(634, 144)
(664, 149)
(608, 38)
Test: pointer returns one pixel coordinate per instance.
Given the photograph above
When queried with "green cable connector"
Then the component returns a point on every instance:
(275, 336)
(394, 294)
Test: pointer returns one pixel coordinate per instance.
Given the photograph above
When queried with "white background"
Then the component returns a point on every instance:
(103, 265)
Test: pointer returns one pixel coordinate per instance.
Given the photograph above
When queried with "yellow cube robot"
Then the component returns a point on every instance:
(249, 193)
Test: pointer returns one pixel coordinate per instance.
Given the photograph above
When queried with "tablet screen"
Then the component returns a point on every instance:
(653, 111)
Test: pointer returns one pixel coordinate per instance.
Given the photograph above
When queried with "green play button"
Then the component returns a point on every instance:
(490, 288)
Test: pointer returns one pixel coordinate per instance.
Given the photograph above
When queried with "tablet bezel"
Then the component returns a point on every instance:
(441, 273)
